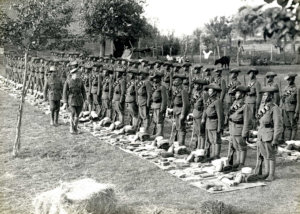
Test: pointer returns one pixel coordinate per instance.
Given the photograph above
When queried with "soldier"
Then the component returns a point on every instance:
(87, 87)
(143, 89)
(199, 97)
(177, 68)
(207, 74)
(106, 96)
(291, 107)
(269, 131)
(53, 93)
(96, 81)
(168, 76)
(158, 103)
(270, 82)
(197, 72)
(253, 97)
(221, 82)
(119, 89)
(181, 107)
(213, 120)
(151, 68)
(130, 98)
(74, 96)
(239, 124)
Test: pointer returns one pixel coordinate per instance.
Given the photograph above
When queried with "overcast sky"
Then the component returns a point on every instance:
(184, 16)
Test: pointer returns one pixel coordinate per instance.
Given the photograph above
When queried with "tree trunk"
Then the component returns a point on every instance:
(102, 47)
(17, 143)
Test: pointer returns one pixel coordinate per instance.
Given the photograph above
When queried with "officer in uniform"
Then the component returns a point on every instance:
(253, 97)
(74, 96)
(239, 125)
(199, 97)
(119, 89)
(269, 131)
(181, 107)
(143, 89)
(107, 92)
(270, 82)
(213, 120)
(131, 98)
(53, 93)
(96, 81)
(221, 82)
(290, 107)
(158, 103)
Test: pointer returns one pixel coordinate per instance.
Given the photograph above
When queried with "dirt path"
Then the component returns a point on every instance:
(50, 155)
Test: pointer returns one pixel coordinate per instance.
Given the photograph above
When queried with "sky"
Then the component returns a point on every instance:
(184, 16)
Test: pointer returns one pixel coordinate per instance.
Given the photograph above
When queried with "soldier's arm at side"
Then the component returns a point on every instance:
(164, 99)
(66, 92)
(186, 103)
(258, 96)
(148, 90)
(99, 85)
(46, 90)
(219, 110)
(223, 87)
(277, 96)
(297, 110)
(246, 118)
(83, 92)
(123, 90)
(278, 124)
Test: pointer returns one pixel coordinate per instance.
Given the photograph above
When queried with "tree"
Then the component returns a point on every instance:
(112, 19)
(28, 25)
(219, 28)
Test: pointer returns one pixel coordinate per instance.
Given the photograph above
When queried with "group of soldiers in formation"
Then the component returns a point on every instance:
(146, 90)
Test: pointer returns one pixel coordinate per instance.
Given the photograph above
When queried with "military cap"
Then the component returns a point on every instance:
(73, 63)
(242, 88)
(290, 76)
(198, 67)
(269, 89)
(156, 75)
(181, 76)
(207, 69)
(213, 86)
(271, 74)
(151, 63)
(200, 81)
(219, 70)
(177, 65)
(74, 70)
(187, 64)
(168, 64)
(52, 68)
(143, 60)
(254, 70)
(235, 70)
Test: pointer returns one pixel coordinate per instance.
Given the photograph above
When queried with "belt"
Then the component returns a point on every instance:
(269, 126)
(212, 117)
(237, 122)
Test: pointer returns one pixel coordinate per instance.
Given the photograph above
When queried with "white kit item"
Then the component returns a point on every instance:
(94, 115)
(218, 164)
(294, 142)
(158, 138)
(246, 170)
(199, 153)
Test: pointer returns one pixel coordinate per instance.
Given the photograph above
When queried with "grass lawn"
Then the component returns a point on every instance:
(50, 155)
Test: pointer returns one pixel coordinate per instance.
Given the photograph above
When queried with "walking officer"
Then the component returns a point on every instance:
(74, 96)
(53, 93)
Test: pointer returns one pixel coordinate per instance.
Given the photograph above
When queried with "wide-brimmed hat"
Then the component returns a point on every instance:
(200, 81)
(271, 74)
(181, 76)
(218, 70)
(207, 69)
(235, 71)
(213, 86)
(290, 75)
(198, 67)
(73, 63)
(254, 70)
(74, 70)
(156, 75)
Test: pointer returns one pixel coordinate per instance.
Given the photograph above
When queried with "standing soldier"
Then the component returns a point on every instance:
(168, 75)
(291, 107)
(199, 97)
(181, 107)
(221, 82)
(158, 103)
(269, 131)
(96, 81)
(87, 87)
(143, 89)
(74, 96)
(213, 120)
(207, 74)
(118, 100)
(270, 82)
(130, 98)
(239, 121)
(106, 96)
(253, 97)
(53, 93)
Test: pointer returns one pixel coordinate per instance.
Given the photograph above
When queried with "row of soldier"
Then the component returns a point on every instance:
(146, 90)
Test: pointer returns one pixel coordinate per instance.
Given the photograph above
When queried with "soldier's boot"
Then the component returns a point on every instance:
(181, 138)
(243, 155)
(294, 133)
(271, 176)
(202, 142)
(52, 118)
(217, 151)
(159, 130)
(56, 118)
(267, 168)
(287, 134)
(72, 131)
(230, 155)
(146, 125)
(237, 164)
(76, 120)
(258, 167)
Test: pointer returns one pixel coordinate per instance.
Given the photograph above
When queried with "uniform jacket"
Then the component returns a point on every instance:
(213, 114)
(276, 95)
(143, 93)
(95, 84)
(107, 90)
(131, 92)
(181, 104)
(53, 88)
(87, 82)
(253, 96)
(232, 85)
(159, 98)
(119, 89)
(240, 118)
(222, 83)
(291, 99)
(270, 124)
(198, 100)
(74, 93)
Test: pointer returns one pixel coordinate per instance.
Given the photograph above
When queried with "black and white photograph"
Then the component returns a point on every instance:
(149, 106)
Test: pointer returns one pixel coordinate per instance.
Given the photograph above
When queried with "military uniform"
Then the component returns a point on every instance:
(271, 83)
(213, 119)
(119, 89)
(269, 132)
(107, 92)
(239, 126)
(290, 108)
(96, 81)
(87, 82)
(207, 75)
(199, 97)
(74, 96)
(53, 93)
(158, 103)
(181, 107)
(221, 83)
